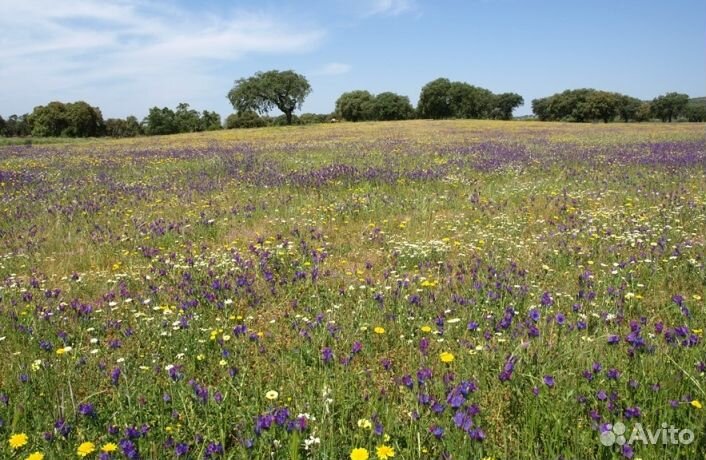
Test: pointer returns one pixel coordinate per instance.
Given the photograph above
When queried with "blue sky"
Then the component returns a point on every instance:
(128, 55)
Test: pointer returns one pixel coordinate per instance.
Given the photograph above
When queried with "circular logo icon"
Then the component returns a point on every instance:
(614, 435)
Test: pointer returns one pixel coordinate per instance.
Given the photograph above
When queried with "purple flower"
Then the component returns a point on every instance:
(455, 399)
(549, 381)
(115, 375)
(632, 412)
(129, 449)
(627, 451)
(424, 345)
(326, 355)
(181, 449)
(560, 319)
(546, 300)
(534, 315)
(212, 450)
(613, 374)
(436, 431)
(508, 369)
(86, 409)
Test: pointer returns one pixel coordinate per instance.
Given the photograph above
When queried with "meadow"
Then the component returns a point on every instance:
(407, 290)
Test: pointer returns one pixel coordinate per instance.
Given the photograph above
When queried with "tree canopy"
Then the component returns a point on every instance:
(391, 106)
(356, 105)
(588, 104)
(442, 98)
(669, 106)
(75, 119)
(285, 90)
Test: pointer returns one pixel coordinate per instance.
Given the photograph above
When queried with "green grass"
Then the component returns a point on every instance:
(243, 257)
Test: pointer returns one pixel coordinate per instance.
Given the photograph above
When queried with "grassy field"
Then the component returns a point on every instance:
(409, 290)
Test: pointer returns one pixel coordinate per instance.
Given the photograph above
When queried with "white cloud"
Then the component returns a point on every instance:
(117, 51)
(332, 68)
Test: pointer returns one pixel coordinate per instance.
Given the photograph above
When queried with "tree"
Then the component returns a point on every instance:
(695, 111)
(117, 127)
(540, 107)
(83, 120)
(210, 121)
(391, 106)
(356, 106)
(434, 99)
(265, 90)
(160, 121)
(187, 120)
(644, 112)
(504, 104)
(468, 101)
(669, 106)
(601, 105)
(17, 126)
(245, 119)
(628, 107)
(49, 120)
(442, 98)
(2, 126)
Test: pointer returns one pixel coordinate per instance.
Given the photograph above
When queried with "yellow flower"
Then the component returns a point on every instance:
(36, 456)
(360, 454)
(384, 452)
(109, 447)
(446, 357)
(272, 395)
(426, 328)
(379, 330)
(697, 404)
(86, 449)
(18, 440)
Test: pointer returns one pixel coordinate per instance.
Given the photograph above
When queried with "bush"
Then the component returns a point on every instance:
(245, 120)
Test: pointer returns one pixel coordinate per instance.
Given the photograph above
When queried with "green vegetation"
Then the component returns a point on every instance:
(264, 91)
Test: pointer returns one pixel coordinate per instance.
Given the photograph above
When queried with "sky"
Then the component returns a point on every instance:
(126, 56)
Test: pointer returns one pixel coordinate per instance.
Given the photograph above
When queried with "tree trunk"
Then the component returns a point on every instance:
(289, 117)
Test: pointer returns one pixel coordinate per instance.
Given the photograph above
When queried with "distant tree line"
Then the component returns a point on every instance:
(254, 97)
(79, 119)
(586, 104)
(439, 99)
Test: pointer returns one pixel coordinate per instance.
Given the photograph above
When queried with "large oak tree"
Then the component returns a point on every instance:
(264, 91)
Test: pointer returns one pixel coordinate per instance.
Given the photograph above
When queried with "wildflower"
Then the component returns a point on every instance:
(384, 452)
(697, 404)
(36, 456)
(109, 447)
(272, 395)
(549, 381)
(446, 357)
(360, 454)
(326, 355)
(426, 329)
(86, 449)
(364, 423)
(379, 330)
(18, 440)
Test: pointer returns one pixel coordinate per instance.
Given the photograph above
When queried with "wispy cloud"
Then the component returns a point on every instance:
(392, 7)
(332, 68)
(129, 49)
